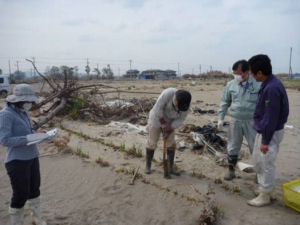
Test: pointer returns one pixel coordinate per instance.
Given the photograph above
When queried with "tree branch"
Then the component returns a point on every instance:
(43, 76)
(52, 113)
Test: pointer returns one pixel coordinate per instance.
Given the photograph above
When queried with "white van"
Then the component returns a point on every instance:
(4, 86)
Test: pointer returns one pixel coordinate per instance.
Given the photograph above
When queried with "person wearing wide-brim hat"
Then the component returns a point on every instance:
(21, 162)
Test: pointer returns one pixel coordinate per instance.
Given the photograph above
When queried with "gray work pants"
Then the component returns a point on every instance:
(237, 130)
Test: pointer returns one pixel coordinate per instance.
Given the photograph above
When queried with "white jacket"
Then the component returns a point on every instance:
(164, 107)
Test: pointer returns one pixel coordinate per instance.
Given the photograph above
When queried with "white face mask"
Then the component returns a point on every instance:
(238, 78)
(27, 106)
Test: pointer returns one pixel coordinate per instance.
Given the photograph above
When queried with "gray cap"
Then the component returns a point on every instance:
(22, 93)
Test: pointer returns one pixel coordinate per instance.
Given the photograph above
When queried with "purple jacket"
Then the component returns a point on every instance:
(272, 109)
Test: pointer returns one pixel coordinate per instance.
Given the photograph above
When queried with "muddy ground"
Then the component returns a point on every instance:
(78, 190)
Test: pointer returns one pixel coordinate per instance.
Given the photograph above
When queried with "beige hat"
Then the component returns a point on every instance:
(22, 93)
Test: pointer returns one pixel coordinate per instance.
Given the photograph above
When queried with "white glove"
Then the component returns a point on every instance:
(220, 125)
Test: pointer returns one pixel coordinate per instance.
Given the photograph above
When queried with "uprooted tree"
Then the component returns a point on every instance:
(64, 90)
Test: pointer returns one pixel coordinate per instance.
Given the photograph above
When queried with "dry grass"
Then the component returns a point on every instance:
(218, 180)
(102, 162)
(81, 154)
(135, 151)
(61, 142)
(123, 147)
(293, 84)
(129, 171)
(236, 189)
(198, 175)
(225, 186)
(212, 212)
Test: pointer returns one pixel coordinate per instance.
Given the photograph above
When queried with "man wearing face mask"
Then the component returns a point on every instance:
(271, 114)
(239, 97)
(21, 162)
(168, 113)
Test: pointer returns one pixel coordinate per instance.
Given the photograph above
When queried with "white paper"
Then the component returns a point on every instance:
(39, 137)
(245, 167)
(52, 132)
(289, 126)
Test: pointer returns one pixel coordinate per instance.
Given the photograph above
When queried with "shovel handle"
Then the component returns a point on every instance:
(164, 148)
(166, 163)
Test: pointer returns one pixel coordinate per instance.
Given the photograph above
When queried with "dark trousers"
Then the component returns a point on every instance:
(25, 180)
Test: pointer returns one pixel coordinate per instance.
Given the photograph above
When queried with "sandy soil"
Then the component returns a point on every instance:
(80, 191)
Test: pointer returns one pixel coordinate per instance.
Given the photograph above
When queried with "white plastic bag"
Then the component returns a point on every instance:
(257, 159)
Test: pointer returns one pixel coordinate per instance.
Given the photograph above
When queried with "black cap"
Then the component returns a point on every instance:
(183, 98)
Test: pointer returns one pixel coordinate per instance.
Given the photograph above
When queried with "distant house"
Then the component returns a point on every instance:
(157, 74)
(171, 74)
(131, 74)
(296, 76)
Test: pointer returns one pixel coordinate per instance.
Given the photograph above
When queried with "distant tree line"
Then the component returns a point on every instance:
(209, 75)
(57, 73)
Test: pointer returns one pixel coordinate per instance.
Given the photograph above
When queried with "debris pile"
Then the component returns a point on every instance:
(133, 110)
(206, 135)
(201, 111)
(210, 134)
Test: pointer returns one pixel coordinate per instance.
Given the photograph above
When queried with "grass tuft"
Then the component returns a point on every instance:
(81, 154)
(102, 162)
(134, 151)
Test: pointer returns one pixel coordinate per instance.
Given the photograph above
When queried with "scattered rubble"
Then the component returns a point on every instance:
(201, 111)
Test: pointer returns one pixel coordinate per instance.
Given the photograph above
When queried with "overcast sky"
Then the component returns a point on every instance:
(152, 33)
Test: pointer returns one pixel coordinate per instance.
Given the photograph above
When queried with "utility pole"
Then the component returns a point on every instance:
(9, 68)
(87, 68)
(119, 71)
(130, 61)
(199, 69)
(17, 66)
(97, 71)
(193, 71)
(178, 70)
(210, 68)
(290, 67)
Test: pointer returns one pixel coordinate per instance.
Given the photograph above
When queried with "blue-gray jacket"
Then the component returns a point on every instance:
(14, 127)
(241, 105)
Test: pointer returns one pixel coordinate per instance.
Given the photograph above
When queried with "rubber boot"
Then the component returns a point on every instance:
(16, 216)
(34, 207)
(149, 157)
(264, 198)
(171, 156)
(256, 179)
(273, 196)
(232, 160)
